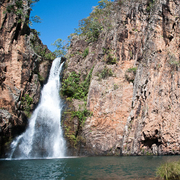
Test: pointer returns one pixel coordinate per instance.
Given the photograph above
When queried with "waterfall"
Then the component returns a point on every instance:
(43, 137)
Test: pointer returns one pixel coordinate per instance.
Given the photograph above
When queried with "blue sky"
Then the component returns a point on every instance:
(60, 17)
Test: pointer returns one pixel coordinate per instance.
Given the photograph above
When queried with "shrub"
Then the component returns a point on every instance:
(43, 52)
(17, 8)
(92, 26)
(74, 88)
(26, 102)
(50, 56)
(150, 5)
(70, 84)
(72, 128)
(61, 48)
(110, 59)
(82, 115)
(136, 30)
(130, 74)
(173, 61)
(105, 73)
(169, 171)
(115, 87)
(132, 69)
(41, 78)
(86, 52)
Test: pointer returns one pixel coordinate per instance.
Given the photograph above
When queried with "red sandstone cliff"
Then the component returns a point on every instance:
(22, 70)
(126, 82)
(136, 108)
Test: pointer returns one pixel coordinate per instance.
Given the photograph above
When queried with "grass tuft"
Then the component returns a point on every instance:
(169, 171)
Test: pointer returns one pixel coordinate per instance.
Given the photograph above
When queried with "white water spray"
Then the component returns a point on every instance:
(43, 137)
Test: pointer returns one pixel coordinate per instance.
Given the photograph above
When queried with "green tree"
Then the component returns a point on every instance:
(92, 26)
(33, 19)
(61, 49)
(16, 7)
(31, 2)
(36, 19)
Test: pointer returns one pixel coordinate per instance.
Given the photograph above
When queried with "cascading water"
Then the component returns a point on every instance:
(43, 137)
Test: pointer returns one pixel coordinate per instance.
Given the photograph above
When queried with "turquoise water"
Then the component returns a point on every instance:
(130, 167)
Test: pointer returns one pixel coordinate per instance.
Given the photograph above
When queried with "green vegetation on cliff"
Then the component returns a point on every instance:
(92, 26)
(26, 102)
(61, 49)
(17, 8)
(130, 74)
(105, 73)
(73, 87)
(41, 50)
(82, 115)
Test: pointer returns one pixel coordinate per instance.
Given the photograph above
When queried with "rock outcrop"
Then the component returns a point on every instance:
(23, 69)
(134, 92)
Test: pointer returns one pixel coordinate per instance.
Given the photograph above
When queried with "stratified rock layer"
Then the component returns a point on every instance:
(136, 110)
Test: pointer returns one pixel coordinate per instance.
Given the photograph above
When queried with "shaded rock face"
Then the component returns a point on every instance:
(22, 72)
(136, 108)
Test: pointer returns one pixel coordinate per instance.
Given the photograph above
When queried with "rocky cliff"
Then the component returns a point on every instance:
(24, 66)
(132, 72)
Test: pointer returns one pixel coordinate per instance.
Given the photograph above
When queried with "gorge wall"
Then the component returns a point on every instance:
(133, 101)
(121, 81)
(24, 66)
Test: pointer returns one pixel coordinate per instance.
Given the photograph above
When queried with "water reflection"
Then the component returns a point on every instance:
(83, 168)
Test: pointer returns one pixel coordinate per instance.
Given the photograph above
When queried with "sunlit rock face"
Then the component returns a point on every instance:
(135, 111)
(155, 115)
(22, 72)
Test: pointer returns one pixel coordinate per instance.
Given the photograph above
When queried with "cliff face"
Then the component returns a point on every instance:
(134, 92)
(23, 70)
(153, 124)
